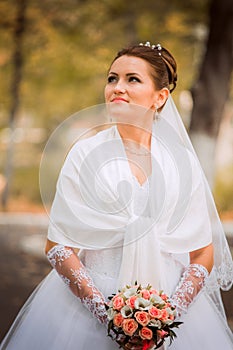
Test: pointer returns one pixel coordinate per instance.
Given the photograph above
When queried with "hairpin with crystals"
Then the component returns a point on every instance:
(158, 46)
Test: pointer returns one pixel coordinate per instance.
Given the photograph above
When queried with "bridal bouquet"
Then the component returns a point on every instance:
(141, 314)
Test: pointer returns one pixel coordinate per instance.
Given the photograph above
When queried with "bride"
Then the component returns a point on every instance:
(131, 203)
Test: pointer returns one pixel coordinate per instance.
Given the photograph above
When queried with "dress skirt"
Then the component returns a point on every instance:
(54, 319)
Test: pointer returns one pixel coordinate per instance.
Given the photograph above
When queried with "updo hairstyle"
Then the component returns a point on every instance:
(161, 61)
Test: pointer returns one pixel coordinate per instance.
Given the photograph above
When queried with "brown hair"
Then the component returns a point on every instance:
(161, 61)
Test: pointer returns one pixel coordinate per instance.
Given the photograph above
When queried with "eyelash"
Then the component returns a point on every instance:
(134, 78)
(112, 79)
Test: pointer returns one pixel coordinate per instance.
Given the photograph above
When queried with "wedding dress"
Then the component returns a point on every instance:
(53, 318)
(147, 238)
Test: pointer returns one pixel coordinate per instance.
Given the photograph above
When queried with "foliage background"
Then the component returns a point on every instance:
(67, 49)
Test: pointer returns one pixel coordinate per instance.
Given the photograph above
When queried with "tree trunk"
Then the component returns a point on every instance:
(211, 91)
(18, 33)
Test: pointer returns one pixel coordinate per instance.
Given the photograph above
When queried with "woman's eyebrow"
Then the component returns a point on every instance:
(127, 74)
(113, 73)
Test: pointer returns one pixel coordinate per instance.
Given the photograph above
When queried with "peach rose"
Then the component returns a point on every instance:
(164, 315)
(118, 303)
(131, 301)
(129, 326)
(142, 317)
(162, 333)
(146, 333)
(154, 312)
(145, 294)
(118, 320)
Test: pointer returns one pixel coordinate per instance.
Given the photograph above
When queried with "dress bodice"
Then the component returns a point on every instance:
(107, 262)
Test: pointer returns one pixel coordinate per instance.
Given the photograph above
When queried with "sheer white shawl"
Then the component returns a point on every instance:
(93, 207)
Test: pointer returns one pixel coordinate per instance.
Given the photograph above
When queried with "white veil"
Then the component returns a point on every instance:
(222, 255)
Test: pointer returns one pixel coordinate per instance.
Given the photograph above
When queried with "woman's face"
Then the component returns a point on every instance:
(130, 81)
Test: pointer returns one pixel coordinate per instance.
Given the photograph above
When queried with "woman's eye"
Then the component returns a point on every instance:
(111, 79)
(134, 79)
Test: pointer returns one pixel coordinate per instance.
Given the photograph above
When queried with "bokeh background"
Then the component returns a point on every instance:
(54, 57)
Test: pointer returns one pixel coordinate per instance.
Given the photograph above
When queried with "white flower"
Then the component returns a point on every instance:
(174, 312)
(142, 304)
(110, 303)
(156, 299)
(130, 292)
(155, 323)
(126, 311)
(169, 310)
(168, 322)
(111, 313)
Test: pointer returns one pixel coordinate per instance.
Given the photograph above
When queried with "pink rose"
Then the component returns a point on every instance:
(164, 315)
(146, 294)
(153, 291)
(164, 297)
(129, 326)
(167, 305)
(146, 333)
(154, 312)
(131, 301)
(142, 317)
(118, 303)
(162, 333)
(118, 320)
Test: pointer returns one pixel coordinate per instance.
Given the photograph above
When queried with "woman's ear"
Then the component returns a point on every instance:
(161, 98)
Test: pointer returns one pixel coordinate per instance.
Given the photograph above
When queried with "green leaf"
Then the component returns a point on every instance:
(110, 324)
(160, 343)
(175, 324)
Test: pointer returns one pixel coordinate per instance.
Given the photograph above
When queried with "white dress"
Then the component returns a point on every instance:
(54, 319)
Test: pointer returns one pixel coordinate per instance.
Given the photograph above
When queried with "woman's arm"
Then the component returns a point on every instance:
(50, 244)
(71, 270)
(193, 278)
(203, 256)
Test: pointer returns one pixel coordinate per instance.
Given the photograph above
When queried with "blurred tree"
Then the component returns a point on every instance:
(67, 49)
(18, 33)
(211, 90)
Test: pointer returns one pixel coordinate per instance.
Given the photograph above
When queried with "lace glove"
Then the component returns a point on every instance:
(73, 273)
(191, 282)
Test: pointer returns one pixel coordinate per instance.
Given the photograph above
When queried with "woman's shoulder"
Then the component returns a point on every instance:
(87, 144)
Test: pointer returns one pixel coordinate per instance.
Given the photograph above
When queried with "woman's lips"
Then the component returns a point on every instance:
(119, 99)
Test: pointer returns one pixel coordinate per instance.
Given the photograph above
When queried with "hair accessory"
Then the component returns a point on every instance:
(159, 47)
(148, 44)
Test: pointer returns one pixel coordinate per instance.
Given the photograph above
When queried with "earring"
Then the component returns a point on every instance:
(156, 114)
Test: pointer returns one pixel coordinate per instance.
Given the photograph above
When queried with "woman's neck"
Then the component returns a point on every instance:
(139, 136)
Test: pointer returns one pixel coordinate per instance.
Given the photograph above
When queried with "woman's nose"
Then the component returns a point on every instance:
(120, 88)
